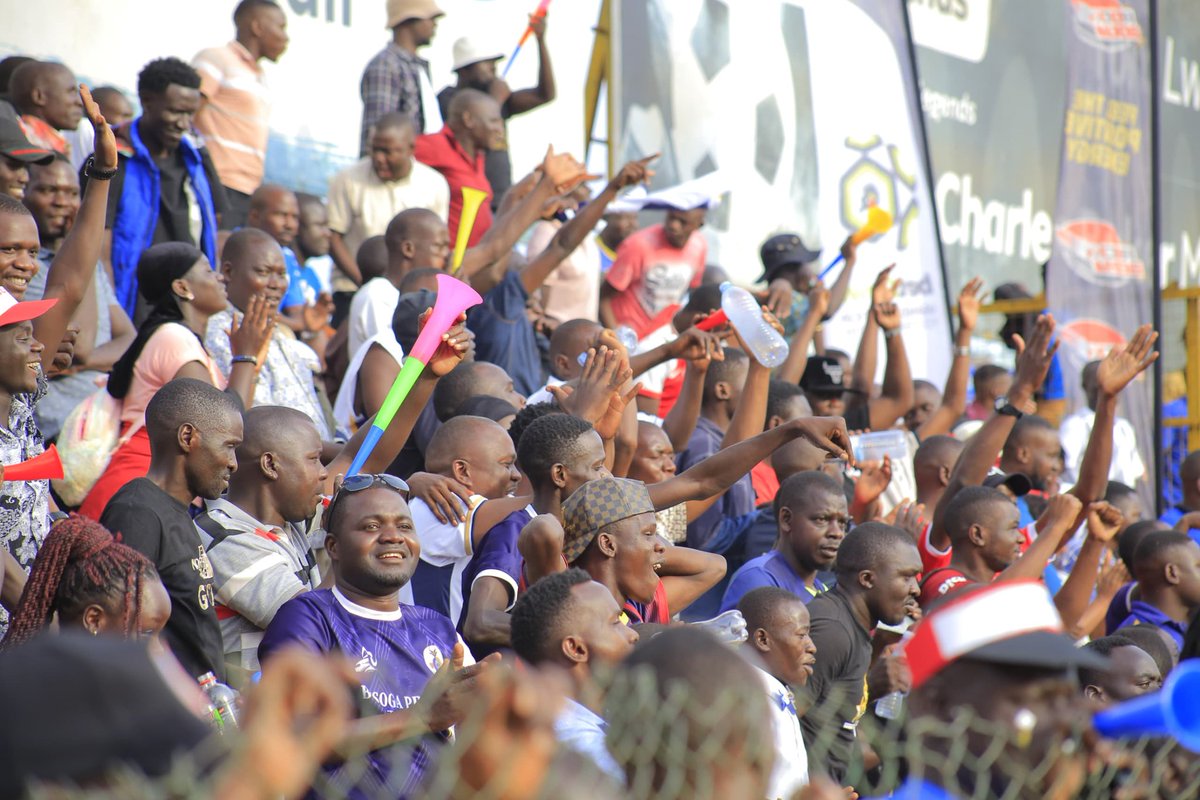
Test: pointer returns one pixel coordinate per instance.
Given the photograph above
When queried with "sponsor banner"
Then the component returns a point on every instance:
(992, 85)
(1098, 284)
(809, 109)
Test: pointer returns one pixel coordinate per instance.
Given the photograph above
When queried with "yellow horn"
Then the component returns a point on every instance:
(472, 200)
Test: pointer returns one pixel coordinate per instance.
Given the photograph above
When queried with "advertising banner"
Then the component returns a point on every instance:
(808, 110)
(1098, 283)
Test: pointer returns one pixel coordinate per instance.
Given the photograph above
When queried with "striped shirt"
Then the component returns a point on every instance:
(256, 569)
(235, 119)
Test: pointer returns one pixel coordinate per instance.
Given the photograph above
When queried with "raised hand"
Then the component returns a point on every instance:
(1113, 575)
(446, 498)
(316, 316)
(874, 480)
(602, 377)
(968, 304)
(884, 289)
(65, 355)
(887, 315)
(827, 433)
(251, 336)
(455, 345)
(1063, 509)
(1123, 364)
(849, 251)
(632, 173)
(695, 344)
(909, 516)
(779, 297)
(106, 144)
(564, 171)
(1103, 521)
(610, 422)
(818, 301)
(1034, 357)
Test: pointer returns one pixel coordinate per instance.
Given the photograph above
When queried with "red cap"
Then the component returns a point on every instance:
(13, 310)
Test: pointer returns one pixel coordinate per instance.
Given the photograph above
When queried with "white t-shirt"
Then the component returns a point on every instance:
(443, 545)
(791, 757)
(1127, 466)
(343, 407)
(371, 311)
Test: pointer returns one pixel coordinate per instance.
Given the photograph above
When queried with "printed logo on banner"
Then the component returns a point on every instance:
(958, 28)
(1090, 338)
(1106, 24)
(1094, 251)
(868, 181)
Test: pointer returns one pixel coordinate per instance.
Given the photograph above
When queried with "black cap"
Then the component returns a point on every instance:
(13, 142)
(1016, 482)
(408, 312)
(1044, 649)
(782, 250)
(824, 375)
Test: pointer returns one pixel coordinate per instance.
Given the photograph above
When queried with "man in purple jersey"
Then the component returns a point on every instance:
(396, 648)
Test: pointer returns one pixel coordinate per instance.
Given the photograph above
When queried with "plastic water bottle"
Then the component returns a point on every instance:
(223, 701)
(888, 706)
(729, 628)
(745, 314)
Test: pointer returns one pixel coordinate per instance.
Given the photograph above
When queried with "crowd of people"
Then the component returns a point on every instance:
(600, 544)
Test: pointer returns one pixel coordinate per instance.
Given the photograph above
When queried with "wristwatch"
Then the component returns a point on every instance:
(1008, 409)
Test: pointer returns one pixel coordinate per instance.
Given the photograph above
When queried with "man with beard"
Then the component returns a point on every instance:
(810, 510)
(194, 430)
(877, 568)
(397, 648)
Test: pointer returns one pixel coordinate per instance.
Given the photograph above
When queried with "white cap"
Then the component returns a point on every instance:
(631, 201)
(703, 192)
(468, 52)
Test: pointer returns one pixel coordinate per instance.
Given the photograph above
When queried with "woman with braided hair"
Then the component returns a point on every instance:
(92, 582)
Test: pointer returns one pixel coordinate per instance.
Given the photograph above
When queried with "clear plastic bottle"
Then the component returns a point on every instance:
(745, 314)
(223, 700)
(888, 706)
(729, 627)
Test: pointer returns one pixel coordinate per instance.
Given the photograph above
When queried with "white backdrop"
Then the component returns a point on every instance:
(317, 111)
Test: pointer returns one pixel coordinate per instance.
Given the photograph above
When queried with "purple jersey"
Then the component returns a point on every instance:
(769, 569)
(496, 557)
(395, 655)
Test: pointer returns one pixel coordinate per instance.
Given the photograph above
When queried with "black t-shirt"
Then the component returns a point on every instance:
(837, 689)
(157, 525)
(174, 222)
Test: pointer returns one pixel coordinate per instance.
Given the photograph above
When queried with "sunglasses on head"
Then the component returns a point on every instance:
(357, 483)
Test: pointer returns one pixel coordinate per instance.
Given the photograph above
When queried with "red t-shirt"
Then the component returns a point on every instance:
(766, 485)
(442, 152)
(932, 558)
(940, 583)
(652, 277)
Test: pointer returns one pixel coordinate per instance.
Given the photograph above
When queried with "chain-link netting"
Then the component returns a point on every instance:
(675, 743)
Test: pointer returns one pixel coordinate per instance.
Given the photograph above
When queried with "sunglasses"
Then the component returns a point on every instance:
(357, 483)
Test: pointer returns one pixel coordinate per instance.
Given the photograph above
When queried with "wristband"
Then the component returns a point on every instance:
(92, 172)
(962, 352)
(894, 332)
(245, 360)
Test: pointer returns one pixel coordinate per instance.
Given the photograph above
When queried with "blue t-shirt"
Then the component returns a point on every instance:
(1119, 608)
(737, 502)
(1173, 515)
(303, 283)
(1145, 614)
(395, 655)
(504, 335)
(1175, 445)
(496, 556)
(769, 569)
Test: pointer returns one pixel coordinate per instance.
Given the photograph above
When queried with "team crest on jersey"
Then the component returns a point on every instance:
(433, 657)
(366, 663)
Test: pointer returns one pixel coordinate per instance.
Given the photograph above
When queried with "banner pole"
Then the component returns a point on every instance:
(927, 166)
(1156, 256)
